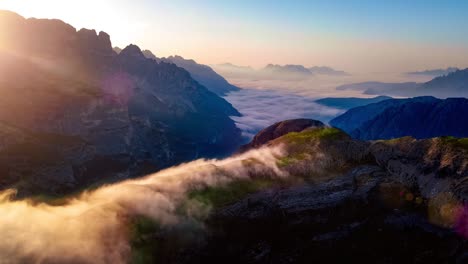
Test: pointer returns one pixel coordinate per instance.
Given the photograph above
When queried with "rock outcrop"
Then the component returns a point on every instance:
(280, 129)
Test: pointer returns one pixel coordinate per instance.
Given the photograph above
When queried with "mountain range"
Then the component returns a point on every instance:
(420, 117)
(203, 74)
(454, 84)
(277, 71)
(75, 112)
(434, 72)
(300, 69)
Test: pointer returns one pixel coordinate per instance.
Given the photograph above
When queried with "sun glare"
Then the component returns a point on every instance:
(82, 14)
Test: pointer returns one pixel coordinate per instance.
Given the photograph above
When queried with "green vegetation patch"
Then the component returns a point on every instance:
(328, 133)
(291, 159)
(461, 143)
(232, 192)
(143, 245)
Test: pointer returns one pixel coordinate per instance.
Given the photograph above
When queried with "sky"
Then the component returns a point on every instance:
(351, 35)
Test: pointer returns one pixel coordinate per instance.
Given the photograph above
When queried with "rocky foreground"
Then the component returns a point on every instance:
(394, 201)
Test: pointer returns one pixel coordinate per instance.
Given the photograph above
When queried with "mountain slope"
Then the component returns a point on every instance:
(420, 117)
(338, 192)
(205, 75)
(95, 113)
(301, 198)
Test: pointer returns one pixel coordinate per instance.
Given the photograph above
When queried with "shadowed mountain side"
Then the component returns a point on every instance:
(83, 113)
(419, 117)
(205, 75)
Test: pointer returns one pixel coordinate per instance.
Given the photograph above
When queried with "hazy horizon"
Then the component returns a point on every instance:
(357, 37)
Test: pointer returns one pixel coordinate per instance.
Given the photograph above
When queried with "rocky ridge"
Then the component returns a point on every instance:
(345, 200)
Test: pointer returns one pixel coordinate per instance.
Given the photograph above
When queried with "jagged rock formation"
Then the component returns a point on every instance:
(420, 117)
(75, 112)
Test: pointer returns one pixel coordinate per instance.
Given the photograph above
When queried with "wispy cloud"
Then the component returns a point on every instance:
(93, 227)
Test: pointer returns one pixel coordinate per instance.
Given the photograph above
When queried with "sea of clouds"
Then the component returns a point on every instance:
(262, 108)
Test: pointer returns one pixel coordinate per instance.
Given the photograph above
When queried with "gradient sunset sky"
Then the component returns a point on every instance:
(356, 36)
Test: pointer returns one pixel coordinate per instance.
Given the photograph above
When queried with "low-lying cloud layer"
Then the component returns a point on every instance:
(93, 227)
(262, 108)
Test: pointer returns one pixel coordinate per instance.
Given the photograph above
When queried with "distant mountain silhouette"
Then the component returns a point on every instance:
(117, 50)
(434, 72)
(419, 117)
(374, 87)
(205, 75)
(150, 55)
(74, 111)
(276, 71)
(230, 66)
(454, 84)
(287, 69)
(350, 102)
(230, 70)
(327, 71)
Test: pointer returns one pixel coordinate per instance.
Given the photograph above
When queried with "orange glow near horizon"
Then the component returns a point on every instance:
(205, 35)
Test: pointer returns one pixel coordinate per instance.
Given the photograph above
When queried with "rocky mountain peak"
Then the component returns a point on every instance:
(280, 129)
(132, 51)
(149, 54)
(8, 16)
(95, 42)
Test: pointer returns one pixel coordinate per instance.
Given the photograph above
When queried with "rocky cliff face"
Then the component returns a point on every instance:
(75, 112)
(419, 117)
(344, 200)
